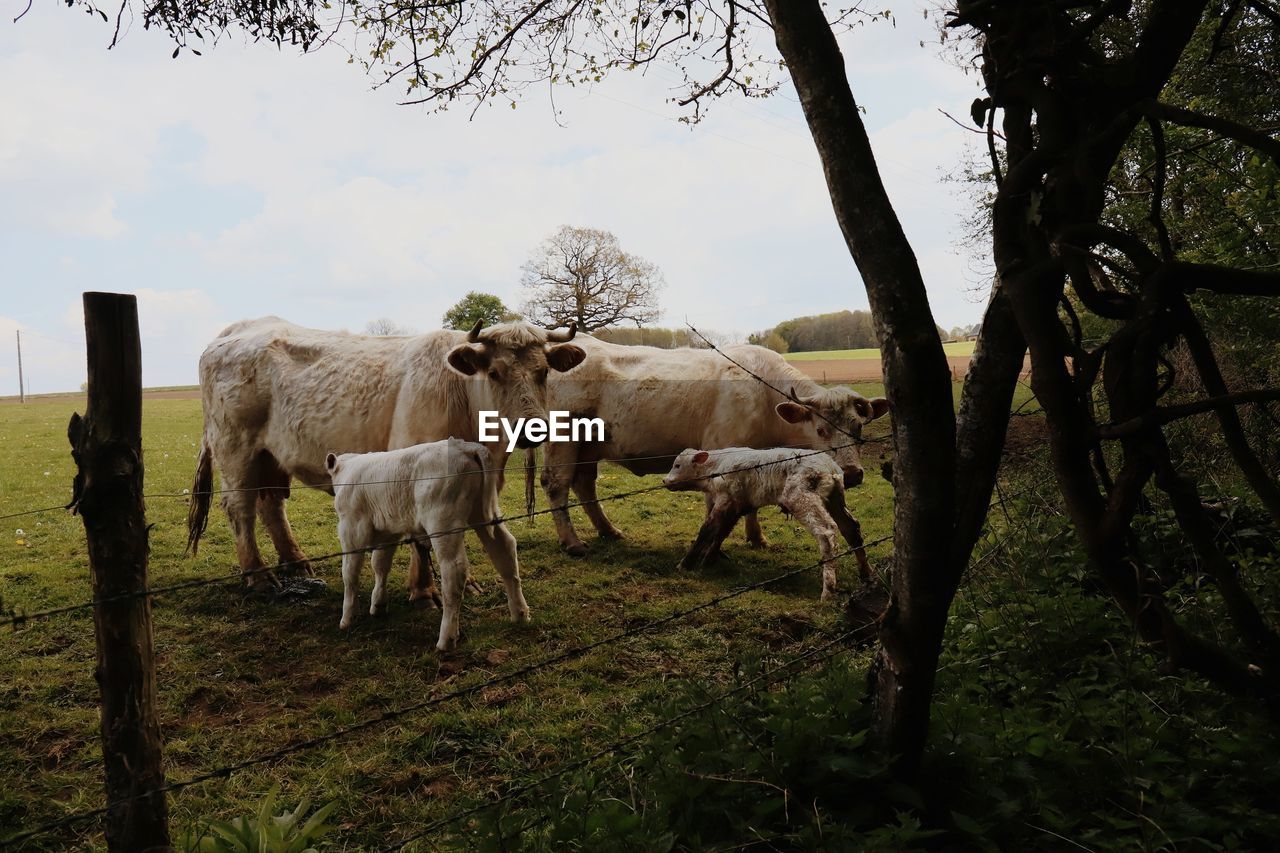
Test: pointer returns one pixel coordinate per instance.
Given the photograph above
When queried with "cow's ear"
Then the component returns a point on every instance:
(879, 406)
(565, 357)
(330, 462)
(468, 358)
(792, 413)
(700, 457)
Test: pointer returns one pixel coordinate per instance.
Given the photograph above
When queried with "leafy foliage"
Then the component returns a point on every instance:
(1051, 729)
(476, 307)
(265, 832)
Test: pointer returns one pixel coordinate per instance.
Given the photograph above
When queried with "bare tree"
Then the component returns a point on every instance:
(582, 276)
(386, 327)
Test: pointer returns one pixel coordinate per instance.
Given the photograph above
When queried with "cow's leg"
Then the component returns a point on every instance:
(851, 530)
(422, 582)
(721, 517)
(273, 491)
(809, 510)
(238, 500)
(755, 536)
(452, 551)
(382, 559)
(584, 486)
(500, 545)
(557, 476)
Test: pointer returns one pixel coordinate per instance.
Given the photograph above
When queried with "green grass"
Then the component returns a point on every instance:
(238, 677)
(955, 348)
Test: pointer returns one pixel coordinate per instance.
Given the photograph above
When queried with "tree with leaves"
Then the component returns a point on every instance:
(582, 276)
(1072, 86)
(476, 307)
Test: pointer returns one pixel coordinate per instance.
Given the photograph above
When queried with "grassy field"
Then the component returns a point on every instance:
(956, 348)
(238, 676)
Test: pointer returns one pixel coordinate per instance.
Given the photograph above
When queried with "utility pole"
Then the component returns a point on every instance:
(22, 393)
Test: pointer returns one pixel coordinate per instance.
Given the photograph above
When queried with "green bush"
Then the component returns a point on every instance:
(265, 832)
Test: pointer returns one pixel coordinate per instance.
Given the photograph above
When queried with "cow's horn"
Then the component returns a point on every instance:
(473, 336)
(561, 337)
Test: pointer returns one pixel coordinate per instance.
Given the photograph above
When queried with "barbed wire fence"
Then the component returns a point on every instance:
(782, 671)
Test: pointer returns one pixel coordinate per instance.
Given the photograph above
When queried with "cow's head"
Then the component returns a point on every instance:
(832, 419)
(513, 360)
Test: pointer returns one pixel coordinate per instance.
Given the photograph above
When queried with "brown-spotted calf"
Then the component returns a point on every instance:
(739, 480)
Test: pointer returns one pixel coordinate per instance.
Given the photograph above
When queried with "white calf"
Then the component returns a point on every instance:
(383, 497)
(738, 480)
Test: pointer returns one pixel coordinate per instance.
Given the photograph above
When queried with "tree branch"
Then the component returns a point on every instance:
(1168, 414)
(1250, 136)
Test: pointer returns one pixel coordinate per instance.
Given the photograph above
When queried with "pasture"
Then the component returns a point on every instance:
(239, 676)
(954, 349)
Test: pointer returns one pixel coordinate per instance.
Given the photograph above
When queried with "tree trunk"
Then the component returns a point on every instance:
(107, 447)
(917, 383)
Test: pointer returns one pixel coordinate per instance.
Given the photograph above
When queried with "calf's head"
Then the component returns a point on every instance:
(688, 472)
(832, 420)
(513, 360)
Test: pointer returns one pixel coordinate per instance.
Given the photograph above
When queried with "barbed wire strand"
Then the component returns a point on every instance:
(767, 677)
(858, 439)
(389, 716)
(15, 619)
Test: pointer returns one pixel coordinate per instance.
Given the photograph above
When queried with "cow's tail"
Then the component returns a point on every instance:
(530, 481)
(201, 497)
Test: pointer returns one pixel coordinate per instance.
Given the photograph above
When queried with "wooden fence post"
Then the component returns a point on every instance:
(106, 445)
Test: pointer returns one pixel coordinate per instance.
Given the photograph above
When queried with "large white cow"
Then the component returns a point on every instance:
(656, 403)
(279, 397)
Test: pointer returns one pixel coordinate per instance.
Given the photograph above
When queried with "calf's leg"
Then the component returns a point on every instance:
(809, 510)
(755, 536)
(452, 551)
(351, 537)
(500, 545)
(382, 559)
(851, 530)
(721, 517)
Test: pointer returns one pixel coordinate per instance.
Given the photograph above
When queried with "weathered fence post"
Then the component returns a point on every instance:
(107, 447)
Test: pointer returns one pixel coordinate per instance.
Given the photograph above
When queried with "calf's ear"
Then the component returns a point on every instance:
(700, 457)
(792, 413)
(330, 462)
(565, 357)
(468, 358)
(879, 406)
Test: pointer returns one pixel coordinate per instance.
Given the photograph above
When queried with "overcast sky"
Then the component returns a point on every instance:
(252, 181)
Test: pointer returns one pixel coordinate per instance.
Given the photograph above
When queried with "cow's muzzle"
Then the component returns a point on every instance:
(852, 477)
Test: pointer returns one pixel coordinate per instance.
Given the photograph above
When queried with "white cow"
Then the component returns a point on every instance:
(278, 397)
(657, 402)
(437, 488)
(739, 480)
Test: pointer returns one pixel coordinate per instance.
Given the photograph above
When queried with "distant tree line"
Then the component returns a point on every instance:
(662, 338)
(837, 330)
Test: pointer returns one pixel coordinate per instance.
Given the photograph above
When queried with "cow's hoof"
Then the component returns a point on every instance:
(344, 624)
(521, 618)
(577, 549)
(378, 611)
(612, 534)
(474, 587)
(426, 599)
(760, 543)
(447, 646)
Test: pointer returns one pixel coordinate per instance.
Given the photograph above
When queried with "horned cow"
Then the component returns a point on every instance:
(278, 397)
